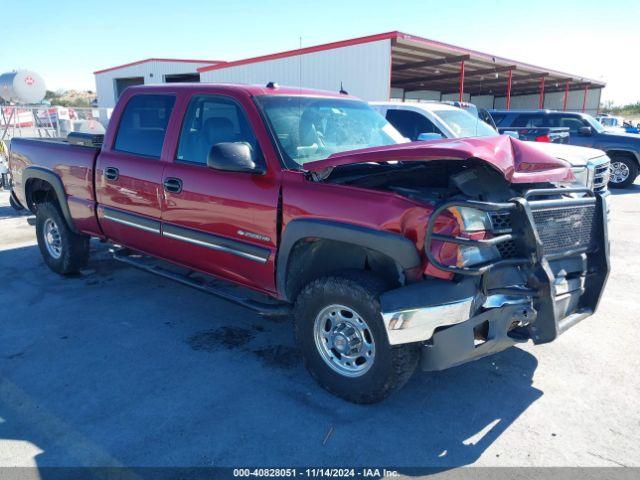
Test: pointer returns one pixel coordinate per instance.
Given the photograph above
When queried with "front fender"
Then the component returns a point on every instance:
(399, 248)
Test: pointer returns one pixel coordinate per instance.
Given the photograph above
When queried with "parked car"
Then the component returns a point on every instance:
(617, 124)
(622, 148)
(430, 120)
(388, 253)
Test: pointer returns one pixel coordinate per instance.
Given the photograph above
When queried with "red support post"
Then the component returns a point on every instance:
(509, 89)
(584, 99)
(462, 80)
(541, 101)
(566, 96)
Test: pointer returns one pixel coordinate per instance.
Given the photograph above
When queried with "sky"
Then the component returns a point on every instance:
(65, 41)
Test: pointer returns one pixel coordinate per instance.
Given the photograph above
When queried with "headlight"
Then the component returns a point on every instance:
(463, 222)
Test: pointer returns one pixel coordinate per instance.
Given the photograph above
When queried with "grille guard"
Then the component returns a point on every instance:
(523, 209)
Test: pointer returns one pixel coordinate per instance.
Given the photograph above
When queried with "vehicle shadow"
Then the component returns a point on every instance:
(8, 212)
(117, 368)
(631, 189)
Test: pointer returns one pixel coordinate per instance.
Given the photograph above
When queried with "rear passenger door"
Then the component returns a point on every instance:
(129, 172)
(220, 222)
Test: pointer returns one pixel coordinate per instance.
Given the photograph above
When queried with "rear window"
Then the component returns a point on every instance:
(143, 125)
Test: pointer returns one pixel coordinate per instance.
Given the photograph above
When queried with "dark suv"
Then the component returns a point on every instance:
(586, 131)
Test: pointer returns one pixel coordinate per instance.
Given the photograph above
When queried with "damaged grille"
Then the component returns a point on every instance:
(566, 228)
(601, 177)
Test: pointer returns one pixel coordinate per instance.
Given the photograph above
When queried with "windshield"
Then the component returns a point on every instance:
(311, 128)
(596, 125)
(463, 124)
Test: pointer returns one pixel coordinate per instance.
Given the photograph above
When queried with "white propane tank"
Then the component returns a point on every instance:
(22, 86)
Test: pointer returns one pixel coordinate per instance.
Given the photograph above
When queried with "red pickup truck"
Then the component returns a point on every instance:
(388, 253)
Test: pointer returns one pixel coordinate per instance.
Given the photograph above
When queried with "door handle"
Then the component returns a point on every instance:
(111, 173)
(172, 185)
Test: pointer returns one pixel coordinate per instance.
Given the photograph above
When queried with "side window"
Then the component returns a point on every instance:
(209, 120)
(574, 123)
(143, 125)
(530, 121)
(411, 124)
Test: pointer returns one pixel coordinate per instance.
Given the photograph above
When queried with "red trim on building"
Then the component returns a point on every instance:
(584, 98)
(183, 60)
(303, 51)
(388, 36)
(541, 99)
(461, 96)
(509, 79)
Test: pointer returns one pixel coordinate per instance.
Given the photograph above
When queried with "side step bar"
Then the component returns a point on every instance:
(257, 302)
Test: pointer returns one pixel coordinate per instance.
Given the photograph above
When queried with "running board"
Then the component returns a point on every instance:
(257, 302)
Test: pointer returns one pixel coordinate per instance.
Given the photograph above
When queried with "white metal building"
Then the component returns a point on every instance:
(392, 65)
(111, 82)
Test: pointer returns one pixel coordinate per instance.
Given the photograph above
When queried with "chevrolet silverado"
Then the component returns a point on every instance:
(389, 254)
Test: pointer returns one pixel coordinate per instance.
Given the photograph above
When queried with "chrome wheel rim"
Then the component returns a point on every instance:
(52, 239)
(619, 172)
(344, 340)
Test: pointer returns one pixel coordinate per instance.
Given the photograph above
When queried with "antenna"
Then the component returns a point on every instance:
(342, 90)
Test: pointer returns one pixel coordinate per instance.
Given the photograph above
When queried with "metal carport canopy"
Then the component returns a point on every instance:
(422, 64)
(418, 63)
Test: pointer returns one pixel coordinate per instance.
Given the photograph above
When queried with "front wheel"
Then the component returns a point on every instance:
(623, 171)
(344, 342)
(64, 251)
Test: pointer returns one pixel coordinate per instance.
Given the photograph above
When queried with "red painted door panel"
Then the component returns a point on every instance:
(129, 172)
(137, 193)
(234, 211)
(221, 222)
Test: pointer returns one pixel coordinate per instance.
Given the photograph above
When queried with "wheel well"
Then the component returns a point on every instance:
(313, 258)
(39, 191)
(622, 154)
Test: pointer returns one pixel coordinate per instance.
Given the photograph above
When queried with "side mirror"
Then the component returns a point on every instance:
(585, 131)
(233, 157)
(425, 137)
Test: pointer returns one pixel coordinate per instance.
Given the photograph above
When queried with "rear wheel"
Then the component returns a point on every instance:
(64, 251)
(623, 171)
(343, 339)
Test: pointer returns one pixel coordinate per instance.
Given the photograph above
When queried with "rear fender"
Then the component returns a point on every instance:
(32, 173)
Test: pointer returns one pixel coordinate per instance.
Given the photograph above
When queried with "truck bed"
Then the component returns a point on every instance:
(73, 164)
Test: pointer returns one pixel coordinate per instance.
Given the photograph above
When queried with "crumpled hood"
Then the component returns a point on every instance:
(517, 161)
(576, 156)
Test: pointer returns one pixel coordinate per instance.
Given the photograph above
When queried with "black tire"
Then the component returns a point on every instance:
(630, 163)
(15, 205)
(73, 248)
(391, 367)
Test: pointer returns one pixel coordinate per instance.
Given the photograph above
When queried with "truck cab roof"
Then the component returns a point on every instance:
(251, 90)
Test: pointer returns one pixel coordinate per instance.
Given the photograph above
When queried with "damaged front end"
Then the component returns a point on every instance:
(549, 275)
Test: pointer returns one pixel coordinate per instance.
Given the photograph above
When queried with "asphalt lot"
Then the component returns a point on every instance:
(117, 367)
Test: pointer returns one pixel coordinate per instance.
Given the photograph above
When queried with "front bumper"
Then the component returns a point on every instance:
(492, 307)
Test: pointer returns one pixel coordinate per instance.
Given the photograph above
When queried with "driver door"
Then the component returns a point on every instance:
(220, 222)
